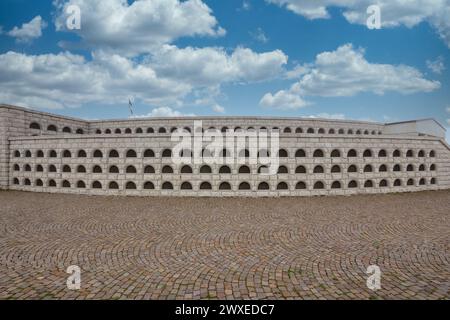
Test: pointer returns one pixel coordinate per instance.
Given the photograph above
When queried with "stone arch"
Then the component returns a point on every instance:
(383, 183)
(81, 169)
(131, 169)
(205, 169)
(82, 154)
(52, 127)
(410, 182)
(367, 153)
(263, 186)
(65, 184)
(52, 154)
(353, 184)
(421, 154)
(287, 130)
(67, 130)
(382, 153)
(224, 186)
(149, 169)
(186, 186)
(39, 183)
(422, 182)
(282, 153)
(167, 153)
(98, 131)
(318, 169)
(39, 154)
(150, 130)
(300, 153)
(79, 131)
(244, 169)
(113, 153)
(17, 154)
(300, 185)
(382, 168)
(298, 130)
(244, 153)
(118, 131)
(282, 170)
(300, 169)
(335, 169)
(368, 168)
(410, 167)
(51, 183)
(352, 153)
(27, 182)
(27, 168)
(113, 169)
(131, 153)
(318, 185)
(97, 154)
(167, 169)
(96, 185)
(397, 153)
(321, 131)
(432, 154)
(318, 153)
(51, 168)
(35, 125)
(368, 184)
(39, 168)
(108, 131)
(282, 186)
(205, 186)
(409, 153)
(422, 167)
(310, 130)
(331, 131)
(139, 130)
(335, 153)
(66, 169)
(130, 185)
(97, 169)
(224, 170)
(336, 185)
(186, 169)
(16, 181)
(433, 181)
(113, 185)
(244, 186)
(162, 130)
(67, 154)
(16, 167)
(397, 183)
(149, 153)
(128, 131)
(397, 168)
(148, 185)
(433, 167)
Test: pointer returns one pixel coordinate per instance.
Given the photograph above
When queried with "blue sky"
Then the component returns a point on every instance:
(234, 57)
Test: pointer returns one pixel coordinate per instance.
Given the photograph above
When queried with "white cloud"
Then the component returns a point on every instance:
(28, 31)
(138, 27)
(218, 108)
(210, 66)
(164, 112)
(259, 36)
(436, 66)
(345, 72)
(283, 100)
(393, 12)
(246, 5)
(336, 116)
(448, 109)
(65, 79)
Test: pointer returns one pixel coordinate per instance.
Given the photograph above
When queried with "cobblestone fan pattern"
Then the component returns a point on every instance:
(210, 248)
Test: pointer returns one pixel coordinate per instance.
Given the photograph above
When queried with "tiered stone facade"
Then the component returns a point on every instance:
(132, 157)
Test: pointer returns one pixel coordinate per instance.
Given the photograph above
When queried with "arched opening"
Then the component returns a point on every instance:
(67, 154)
(244, 153)
(162, 130)
(205, 186)
(66, 184)
(422, 182)
(318, 169)
(336, 185)
(310, 130)
(79, 131)
(148, 185)
(318, 153)
(52, 154)
(27, 167)
(167, 153)
(421, 154)
(282, 153)
(319, 185)
(150, 130)
(368, 184)
(368, 168)
(263, 186)
(52, 183)
(108, 131)
(224, 186)
(409, 153)
(186, 186)
(397, 183)
(383, 168)
(52, 128)
(186, 169)
(244, 186)
(224, 170)
(353, 184)
(96, 185)
(422, 167)
(51, 168)
(335, 153)
(35, 125)
(98, 131)
(397, 168)
(16, 181)
(17, 154)
(367, 153)
(299, 130)
(149, 169)
(66, 168)
(39, 168)
(282, 186)
(130, 185)
(382, 153)
(287, 130)
(331, 131)
(396, 153)
(113, 169)
(39, 183)
(282, 170)
(244, 169)
(433, 181)
(263, 169)
(321, 131)
(128, 131)
(300, 169)
(81, 169)
(113, 154)
(82, 154)
(410, 167)
(352, 153)
(410, 182)
(98, 154)
(131, 169)
(27, 154)
(131, 154)
(335, 169)
(167, 169)
(67, 130)
(433, 167)
(97, 169)
(432, 154)
(300, 153)
(205, 169)
(149, 153)
(300, 185)
(113, 185)
(383, 183)
(139, 130)
(16, 167)
(40, 154)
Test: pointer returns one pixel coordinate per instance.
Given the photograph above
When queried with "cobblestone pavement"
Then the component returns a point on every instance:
(192, 248)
